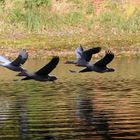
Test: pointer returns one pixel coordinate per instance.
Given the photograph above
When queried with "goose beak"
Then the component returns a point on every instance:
(111, 70)
(54, 78)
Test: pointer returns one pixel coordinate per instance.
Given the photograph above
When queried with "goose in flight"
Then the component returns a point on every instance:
(101, 65)
(83, 57)
(15, 65)
(43, 73)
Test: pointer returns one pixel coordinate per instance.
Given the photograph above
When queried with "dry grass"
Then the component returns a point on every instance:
(30, 16)
(63, 25)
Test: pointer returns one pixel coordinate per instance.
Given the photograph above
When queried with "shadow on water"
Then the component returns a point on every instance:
(88, 106)
(92, 119)
(21, 106)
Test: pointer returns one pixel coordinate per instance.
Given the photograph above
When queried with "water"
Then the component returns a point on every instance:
(87, 106)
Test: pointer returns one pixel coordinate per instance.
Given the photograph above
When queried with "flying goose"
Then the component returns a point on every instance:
(101, 65)
(83, 57)
(16, 64)
(43, 73)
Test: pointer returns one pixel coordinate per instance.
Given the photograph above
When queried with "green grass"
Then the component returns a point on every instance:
(43, 15)
(70, 43)
(63, 25)
(44, 46)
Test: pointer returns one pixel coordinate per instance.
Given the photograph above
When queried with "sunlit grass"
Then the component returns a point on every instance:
(43, 15)
(63, 25)
(71, 42)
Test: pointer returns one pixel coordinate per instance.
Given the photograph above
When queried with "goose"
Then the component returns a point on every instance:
(101, 65)
(83, 57)
(43, 73)
(15, 65)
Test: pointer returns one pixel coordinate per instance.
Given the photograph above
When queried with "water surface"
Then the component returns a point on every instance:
(78, 106)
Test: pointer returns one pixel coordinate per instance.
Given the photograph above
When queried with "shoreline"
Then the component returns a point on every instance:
(44, 46)
(43, 53)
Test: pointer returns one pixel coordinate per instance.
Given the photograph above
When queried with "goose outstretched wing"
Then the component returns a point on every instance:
(105, 60)
(17, 61)
(88, 53)
(22, 57)
(4, 60)
(79, 52)
(49, 67)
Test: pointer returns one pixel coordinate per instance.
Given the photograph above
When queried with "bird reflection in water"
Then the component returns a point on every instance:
(91, 120)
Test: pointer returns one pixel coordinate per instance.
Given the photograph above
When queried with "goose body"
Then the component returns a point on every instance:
(83, 57)
(43, 73)
(101, 65)
(15, 65)
(12, 67)
(37, 77)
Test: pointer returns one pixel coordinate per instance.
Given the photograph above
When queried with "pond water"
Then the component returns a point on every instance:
(78, 106)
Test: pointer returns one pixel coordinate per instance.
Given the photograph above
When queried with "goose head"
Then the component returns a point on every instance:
(52, 78)
(110, 70)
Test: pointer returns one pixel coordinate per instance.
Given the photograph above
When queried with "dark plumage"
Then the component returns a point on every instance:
(88, 53)
(43, 73)
(101, 65)
(16, 64)
(21, 59)
(83, 57)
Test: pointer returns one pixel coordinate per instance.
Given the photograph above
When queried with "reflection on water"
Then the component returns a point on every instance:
(77, 106)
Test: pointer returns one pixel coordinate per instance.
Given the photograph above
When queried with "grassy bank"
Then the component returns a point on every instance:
(60, 26)
(41, 46)
(43, 16)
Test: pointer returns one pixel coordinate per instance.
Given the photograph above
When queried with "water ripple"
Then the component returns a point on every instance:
(81, 107)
